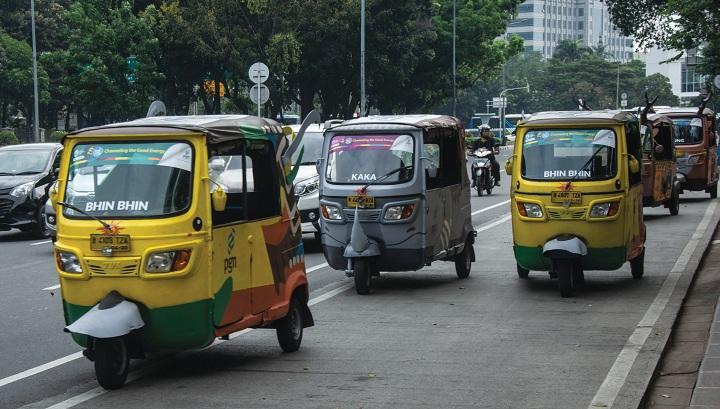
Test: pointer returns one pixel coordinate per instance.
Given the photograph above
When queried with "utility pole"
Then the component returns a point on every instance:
(617, 88)
(36, 116)
(454, 64)
(362, 58)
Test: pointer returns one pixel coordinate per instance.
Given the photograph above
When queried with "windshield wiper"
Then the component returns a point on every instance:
(589, 161)
(29, 172)
(385, 176)
(71, 207)
(6, 174)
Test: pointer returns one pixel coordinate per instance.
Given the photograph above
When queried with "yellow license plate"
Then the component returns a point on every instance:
(364, 202)
(117, 242)
(566, 197)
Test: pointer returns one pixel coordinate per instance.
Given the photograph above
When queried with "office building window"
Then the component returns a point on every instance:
(692, 81)
(581, 12)
(526, 36)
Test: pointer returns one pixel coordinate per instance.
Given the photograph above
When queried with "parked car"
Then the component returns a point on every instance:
(307, 180)
(50, 220)
(26, 171)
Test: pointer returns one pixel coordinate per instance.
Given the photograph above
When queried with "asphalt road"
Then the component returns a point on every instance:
(420, 340)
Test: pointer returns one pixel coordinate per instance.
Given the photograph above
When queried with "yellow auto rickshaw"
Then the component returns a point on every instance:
(577, 195)
(173, 231)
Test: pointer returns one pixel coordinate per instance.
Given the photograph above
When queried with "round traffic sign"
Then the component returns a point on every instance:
(264, 92)
(716, 81)
(258, 73)
(623, 95)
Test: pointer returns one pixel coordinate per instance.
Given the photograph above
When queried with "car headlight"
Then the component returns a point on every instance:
(608, 209)
(22, 190)
(68, 262)
(399, 212)
(308, 186)
(331, 212)
(167, 261)
(531, 210)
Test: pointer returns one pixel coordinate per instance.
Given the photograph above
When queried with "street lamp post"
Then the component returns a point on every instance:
(362, 58)
(502, 109)
(454, 63)
(36, 116)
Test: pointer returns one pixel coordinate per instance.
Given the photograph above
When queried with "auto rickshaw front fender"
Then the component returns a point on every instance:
(565, 247)
(113, 316)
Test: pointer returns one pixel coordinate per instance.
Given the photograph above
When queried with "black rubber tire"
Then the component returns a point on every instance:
(522, 272)
(112, 362)
(674, 203)
(318, 236)
(363, 276)
(479, 185)
(713, 191)
(489, 191)
(39, 228)
(289, 328)
(578, 274)
(637, 265)
(463, 261)
(564, 269)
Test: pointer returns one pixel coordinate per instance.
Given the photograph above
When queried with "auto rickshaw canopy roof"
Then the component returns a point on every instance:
(216, 128)
(683, 111)
(400, 122)
(578, 117)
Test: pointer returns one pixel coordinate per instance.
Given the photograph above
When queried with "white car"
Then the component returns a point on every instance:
(307, 181)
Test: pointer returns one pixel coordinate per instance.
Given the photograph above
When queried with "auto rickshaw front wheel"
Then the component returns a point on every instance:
(112, 362)
(363, 276)
(566, 274)
(289, 329)
(463, 260)
(713, 191)
(522, 272)
(637, 265)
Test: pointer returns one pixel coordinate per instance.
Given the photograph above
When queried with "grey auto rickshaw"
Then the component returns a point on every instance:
(395, 196)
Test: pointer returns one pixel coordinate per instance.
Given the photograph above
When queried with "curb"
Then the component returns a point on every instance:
(644, 370)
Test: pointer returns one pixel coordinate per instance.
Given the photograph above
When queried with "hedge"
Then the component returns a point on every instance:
(8, 138)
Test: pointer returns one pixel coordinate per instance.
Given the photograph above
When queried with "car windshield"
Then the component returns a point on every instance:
(367, 158)
(564, 154)
(136, 179)
(688, 131)
(23, 162)
(311, 147)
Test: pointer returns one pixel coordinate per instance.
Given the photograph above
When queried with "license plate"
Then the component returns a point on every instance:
(566, 197)
(364, 202)
(118, 242)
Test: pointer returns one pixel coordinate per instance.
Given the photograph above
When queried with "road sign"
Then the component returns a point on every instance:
(259, 73)
(623, 95)
(623, 103)
(499, 102)
(264, 94)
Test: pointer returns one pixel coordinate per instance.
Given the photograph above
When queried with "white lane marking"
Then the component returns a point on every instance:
(40, 368)
(41, 242)
(95, 392)
(489, 207)
(493, 224)
(715, 242)
(54, 287)
(616, 377)
(317, 267)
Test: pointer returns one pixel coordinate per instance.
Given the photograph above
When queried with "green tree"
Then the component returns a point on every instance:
(672, 24)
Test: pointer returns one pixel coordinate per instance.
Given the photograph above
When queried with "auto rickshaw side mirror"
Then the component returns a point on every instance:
(219, 200)
(508, 166)
(53, 193)
(634, 164)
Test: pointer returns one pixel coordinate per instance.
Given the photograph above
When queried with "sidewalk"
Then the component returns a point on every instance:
(689, 374)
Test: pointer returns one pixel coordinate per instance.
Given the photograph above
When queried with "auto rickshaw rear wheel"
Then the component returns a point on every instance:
(363, 276)
(522, 272)
(673, 204)
(112, 362)
(289, 329)
(463, 260)
(713, 191)
(637, 265)
(564, 269)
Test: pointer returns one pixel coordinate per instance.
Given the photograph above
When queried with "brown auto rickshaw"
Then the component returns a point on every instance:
(696, 143)
(659, 168)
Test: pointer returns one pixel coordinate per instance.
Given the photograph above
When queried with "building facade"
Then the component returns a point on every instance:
(544, 23)
(686, 81)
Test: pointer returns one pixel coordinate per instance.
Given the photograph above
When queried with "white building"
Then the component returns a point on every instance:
(685, 80)
(544, 23)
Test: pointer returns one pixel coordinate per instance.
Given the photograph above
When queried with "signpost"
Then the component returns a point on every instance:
(623, 100)
(259, 93)
(499, 102)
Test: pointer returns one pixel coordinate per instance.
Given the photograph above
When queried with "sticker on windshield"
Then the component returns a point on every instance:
(363, 177)
(696, 122)
(171, 154)
(604, 137)
(127, 205)
(177, 156)
(553, 174)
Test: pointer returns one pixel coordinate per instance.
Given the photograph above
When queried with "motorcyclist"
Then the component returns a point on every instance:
(488, 142)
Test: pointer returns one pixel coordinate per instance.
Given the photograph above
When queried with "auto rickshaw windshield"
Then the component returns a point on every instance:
(688, 131)
(565, 154)
(354, 159)
(134, 179)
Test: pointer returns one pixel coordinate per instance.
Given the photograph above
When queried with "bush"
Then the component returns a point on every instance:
(8, 138)
(55, 136)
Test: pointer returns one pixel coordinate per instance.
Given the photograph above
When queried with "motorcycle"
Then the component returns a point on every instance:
(482, 171)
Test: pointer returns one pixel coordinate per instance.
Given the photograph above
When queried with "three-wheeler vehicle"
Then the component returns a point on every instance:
(659, 168)
(576, 195)
(173, 231)
(696, 142)
(395, 196)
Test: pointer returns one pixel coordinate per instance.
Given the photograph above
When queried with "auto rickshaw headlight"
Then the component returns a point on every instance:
(167, 261)
(399, 212)
(330, 212)
(694, 160)
(531, 210)
(68, 262)
(608, 209)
